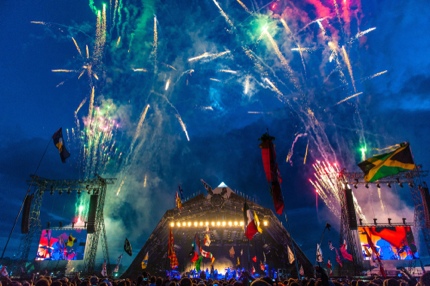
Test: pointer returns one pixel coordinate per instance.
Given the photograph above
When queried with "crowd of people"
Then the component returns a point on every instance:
(321, 279)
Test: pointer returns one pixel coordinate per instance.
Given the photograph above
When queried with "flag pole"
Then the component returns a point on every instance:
(293, 245)
(22, 205)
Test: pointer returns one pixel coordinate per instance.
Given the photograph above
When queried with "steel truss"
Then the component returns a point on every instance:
(96, 186)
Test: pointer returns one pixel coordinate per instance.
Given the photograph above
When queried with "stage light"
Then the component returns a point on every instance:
(404, 220)
(218, 223)
(172, 224)
(367, 185)
(224, 223)
(374, 221)
(79, 192)
(201, 223)
(52, 190)
(60, 224)
(212, 223)
(378, 185)
(361, 221)
(178, 224)
(401, 185)
(389, 185)
(48, 225)
(241, 223)
(207, 223)
(60, 191)
(235, 223)
(411, 184)
(69, 191)
(265, 223)
(389, 221)
(230, 223)
(355, 183)
(184, 223)
(196, 224)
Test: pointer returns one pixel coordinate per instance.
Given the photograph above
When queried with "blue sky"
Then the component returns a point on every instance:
(202, 119)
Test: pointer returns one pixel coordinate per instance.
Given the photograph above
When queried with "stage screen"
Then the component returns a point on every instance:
(61, 244)
(390, 242)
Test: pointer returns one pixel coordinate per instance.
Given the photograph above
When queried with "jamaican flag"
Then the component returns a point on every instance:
(388, 164)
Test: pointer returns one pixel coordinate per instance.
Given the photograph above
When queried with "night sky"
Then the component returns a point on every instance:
(172, 92)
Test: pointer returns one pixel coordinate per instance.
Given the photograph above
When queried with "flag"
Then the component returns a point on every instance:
(207, 254)
(145, 261)
(338, 259)
(388, 164)
(4, 272)
(181, 192)
(196, 248)
(198, 263)
(118, 263)
(319, 254)
(231, 252)
(171, 251)
(70, 241)
(344, 252)
(301, 271)
(104, 271)
(257, 223)
(127, 247)
(273, 175)
(254, 259)
(59, 143)
(375, 251)
(238, 261)
(207, 240)
(329, 267)
(178, 201)
(250, 227)
(291, 257)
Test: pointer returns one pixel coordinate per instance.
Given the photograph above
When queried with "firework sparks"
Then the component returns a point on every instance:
(349, 97)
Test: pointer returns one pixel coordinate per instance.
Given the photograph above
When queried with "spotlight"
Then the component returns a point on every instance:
(378, 185)
(374, 221)
(60, 191)
(79, 192)
(389, 221)
(361, 221)
(69, 191)
(401, 185)
(411, 184)
(367, 185)
(389, 184)
(404, 220)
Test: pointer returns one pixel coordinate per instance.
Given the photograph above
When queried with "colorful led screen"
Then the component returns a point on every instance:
(387, 243)
(60, 244)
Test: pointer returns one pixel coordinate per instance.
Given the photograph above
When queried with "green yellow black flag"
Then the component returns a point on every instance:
(388, 164)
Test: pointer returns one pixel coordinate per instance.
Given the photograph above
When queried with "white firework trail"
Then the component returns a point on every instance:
(227, 19)
(209, 56)
(349, 97)
(77, 46)
(290, 153)
(348, 64)
(361, 34)
(184, 128)
(139, 70)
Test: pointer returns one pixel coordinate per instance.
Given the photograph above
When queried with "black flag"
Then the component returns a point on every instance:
(127, 247)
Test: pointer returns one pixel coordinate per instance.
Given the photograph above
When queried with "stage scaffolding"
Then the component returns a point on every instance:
(412, 179)
(95, 186)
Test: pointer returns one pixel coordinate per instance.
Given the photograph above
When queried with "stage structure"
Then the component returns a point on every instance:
(419, 193)
(219, 216)
(95, 226)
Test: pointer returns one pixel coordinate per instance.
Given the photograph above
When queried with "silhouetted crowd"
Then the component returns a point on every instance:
(245, 279)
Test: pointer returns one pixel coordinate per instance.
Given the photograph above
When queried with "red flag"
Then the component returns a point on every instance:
(345, 253)
(268, 154)
(254, 259)
(338, 259)
(171, 251)
(375, 251)
(250, 226)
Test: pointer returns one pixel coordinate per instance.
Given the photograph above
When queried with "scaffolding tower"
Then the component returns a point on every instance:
(95, 186)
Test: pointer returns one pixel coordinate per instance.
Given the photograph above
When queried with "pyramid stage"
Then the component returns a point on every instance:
(219, 216)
